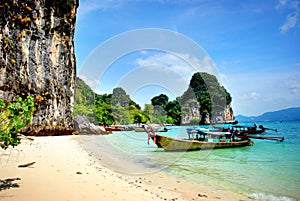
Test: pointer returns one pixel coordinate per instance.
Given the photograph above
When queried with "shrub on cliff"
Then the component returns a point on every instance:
(13, 117)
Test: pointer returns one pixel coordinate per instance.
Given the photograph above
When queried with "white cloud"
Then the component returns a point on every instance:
(281, 4)
(165, 61)
(291, 21)
(255, 95)
(184, 65)
(292, 10)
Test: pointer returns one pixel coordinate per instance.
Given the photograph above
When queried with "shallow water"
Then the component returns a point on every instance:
(268, 170)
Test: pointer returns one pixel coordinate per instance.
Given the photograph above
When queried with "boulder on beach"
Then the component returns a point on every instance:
(84, 126)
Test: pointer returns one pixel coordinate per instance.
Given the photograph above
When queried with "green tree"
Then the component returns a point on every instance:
(173, 110)
(162, 111)
(161, 100)
(137, 106)
(137, 115)
(13, 117)
(104, 109)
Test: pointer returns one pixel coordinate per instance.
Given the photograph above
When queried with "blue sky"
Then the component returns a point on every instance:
(252, 45)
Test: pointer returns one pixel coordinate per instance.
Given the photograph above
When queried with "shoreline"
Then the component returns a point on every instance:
(64, 170)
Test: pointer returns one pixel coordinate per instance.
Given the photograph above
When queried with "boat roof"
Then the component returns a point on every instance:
(218, 133)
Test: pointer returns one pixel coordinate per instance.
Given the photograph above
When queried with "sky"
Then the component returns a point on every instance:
(149, 47)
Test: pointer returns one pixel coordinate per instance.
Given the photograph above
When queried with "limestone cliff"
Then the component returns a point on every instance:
(206, 100)
(37, 58)
(190, 112)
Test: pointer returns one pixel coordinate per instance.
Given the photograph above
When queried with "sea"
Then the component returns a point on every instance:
(268, 170)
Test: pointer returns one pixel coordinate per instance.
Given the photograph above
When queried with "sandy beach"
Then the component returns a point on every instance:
(64, 170)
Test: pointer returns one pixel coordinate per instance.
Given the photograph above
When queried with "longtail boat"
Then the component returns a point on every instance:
(141, 129)
(245, 129)
(118, 128)
(176, 144)
(249, 129)
(199, 140)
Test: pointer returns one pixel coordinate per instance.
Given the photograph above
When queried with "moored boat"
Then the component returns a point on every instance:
(199, 139)
(160, 130)
(118, 128)
(249, 129)
(245, 130)
(177, 144)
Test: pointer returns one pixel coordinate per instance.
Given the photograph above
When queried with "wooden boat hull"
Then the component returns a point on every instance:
(175, 144)
(251, 132)
(153, 137)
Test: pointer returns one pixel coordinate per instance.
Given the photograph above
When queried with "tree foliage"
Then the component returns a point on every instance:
(118, 108)
(84, 101)
(161, 100)
(161, 110)
(103, 109)
(13, 117)
(173, 110)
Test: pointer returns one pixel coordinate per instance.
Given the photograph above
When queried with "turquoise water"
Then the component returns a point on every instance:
(268, 170)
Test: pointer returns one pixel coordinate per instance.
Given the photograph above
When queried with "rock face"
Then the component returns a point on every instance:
(37, 58)
(190, 111)
(224, 116)
(193, 111)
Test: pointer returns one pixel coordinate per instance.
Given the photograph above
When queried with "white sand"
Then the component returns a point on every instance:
(63, 170)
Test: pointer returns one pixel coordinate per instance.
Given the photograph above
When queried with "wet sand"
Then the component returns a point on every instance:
(64, 170)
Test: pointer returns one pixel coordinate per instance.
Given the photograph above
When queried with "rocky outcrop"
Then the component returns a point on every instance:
(37, 58)
(84, 126)
(206, 100)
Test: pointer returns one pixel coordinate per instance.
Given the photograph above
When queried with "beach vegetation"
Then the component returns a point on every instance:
(13, 117)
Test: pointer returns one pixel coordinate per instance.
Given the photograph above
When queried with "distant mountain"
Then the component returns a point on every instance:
(290, 114)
